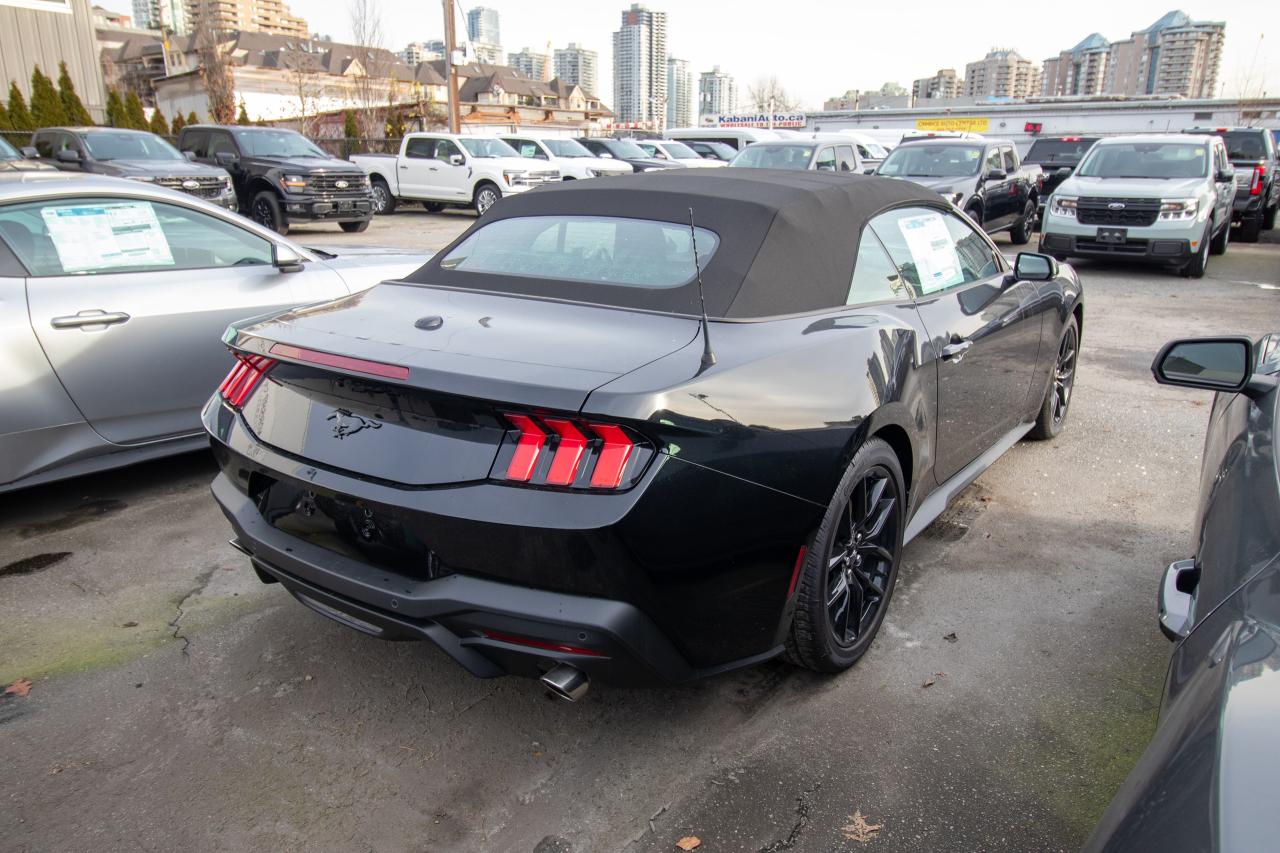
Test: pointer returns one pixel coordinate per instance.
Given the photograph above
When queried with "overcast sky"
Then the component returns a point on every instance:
(821, 49)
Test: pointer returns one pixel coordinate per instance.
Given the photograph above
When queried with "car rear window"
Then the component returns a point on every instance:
(1245, 144)
(597, 250)
(1064, 151)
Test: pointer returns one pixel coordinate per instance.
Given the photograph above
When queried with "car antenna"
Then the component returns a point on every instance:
(708, 355)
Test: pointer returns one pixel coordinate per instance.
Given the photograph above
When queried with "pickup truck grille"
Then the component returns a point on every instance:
(1136, 211)
(329, 183)
(541, 177)
(204, 187)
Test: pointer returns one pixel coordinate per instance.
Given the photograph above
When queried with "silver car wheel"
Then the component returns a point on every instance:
(486, 198)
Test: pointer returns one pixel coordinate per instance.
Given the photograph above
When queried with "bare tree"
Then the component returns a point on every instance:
(215, 71)
(303, 68)
(768, 95)
(372, 86)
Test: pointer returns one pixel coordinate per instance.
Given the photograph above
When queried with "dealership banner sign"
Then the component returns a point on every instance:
(956, 123)
(757, 120)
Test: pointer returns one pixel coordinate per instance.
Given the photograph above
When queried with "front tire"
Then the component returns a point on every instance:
(355, 227)
(1020, 234)
(1218, 245)
(1057, 398)
(1198, 265)
(851, 566)
(265, 210)
(384, 201)
(486, 196)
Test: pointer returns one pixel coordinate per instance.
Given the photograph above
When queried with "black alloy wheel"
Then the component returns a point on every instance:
(1057, 400)
(265, 210)
(1020, 234)
(850, 568)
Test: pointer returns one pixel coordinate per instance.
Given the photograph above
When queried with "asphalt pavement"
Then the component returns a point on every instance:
(177, 703)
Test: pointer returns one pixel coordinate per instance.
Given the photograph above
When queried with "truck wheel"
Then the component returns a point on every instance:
(975, 214)
(1218, 245)
(1251, 228)
(265, 210)
(433, 206)
(384, 202)
(1020, 234)
(1269, 220)
(487, 195)
(355, 227)
(1196, 267)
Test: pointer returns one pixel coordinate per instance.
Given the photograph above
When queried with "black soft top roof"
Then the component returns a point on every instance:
(788, 239)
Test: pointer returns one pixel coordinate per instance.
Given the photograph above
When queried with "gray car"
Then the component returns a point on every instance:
(114, 296)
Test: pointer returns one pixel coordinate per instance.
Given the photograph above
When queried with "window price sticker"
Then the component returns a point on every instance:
(96, 237)
(933, 251)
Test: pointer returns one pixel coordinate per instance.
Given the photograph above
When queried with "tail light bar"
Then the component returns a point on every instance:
(1259, 172)
(559, 451)
(244, 377)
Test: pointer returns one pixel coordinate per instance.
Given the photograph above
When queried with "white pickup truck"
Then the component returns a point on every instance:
(440, 169)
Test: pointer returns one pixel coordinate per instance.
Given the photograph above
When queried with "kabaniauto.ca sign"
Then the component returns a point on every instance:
(756, 120)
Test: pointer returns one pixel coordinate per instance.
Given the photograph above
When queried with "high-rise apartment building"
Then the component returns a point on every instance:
(417, 52)
(579, 66)
(170, 16)
(254, 16)
(679, 93)
(1002, 73)
(640, 67)
(717, 93)
(537, 66)
(1082, 70)
(945, 84)
(482, 25)
(1174, 56)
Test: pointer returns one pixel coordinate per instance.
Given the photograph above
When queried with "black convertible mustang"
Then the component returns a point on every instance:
(537, 452)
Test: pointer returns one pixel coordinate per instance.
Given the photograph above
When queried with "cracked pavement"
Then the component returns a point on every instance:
(179, 703)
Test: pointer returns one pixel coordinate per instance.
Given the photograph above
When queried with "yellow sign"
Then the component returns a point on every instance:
(970, 125)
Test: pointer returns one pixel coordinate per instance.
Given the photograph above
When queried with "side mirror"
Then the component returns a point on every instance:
(1029, 266)
(997, 175)
(226, 159)
(66, 155)
(868, 171)
(1214, 364)
(606, 155)
(29, 152)
(456, 159)
(1226, 175)
(1064, 172)
(285, 259)
(190, 155)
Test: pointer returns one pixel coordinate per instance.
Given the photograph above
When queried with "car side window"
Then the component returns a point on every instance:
(1010, 160)
(445, 149)
(826, 159)
(844, 155)
(935, 250)
(196, 142)
(68, 142)
(528, 148)
(420, 149)
(101, 235)
(993, 160)
(220, 143)
(43, 143)
(875, 275)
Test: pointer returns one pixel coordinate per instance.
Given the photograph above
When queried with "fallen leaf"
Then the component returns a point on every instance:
(858, 829)
(21, 687)
(129, 624)
(933, 679)
(950, 638)
(689, 842)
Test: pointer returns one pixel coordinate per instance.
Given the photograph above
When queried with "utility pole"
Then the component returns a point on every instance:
(455, 121)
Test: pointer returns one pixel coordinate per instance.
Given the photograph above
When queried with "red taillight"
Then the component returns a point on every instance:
(1071, 139)
(1259, 172)
(244, 377)
(576, 448)
(564, 465)
(341, 362)
(613, 456)
(528, 448)
(541, 644)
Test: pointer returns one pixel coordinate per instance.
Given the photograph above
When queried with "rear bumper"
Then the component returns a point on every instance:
(1246, 205)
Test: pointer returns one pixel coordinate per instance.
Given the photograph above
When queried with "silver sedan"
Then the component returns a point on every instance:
(114, 296)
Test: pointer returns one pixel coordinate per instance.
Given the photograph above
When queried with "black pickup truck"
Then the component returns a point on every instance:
(1252, 151)
(1057, 157)
(282, 177)
(136, 154)
(982, 177)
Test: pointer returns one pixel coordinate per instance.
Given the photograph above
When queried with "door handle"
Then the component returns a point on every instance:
(94, 317)
(956, 350)
(402, 166)
(433, 168)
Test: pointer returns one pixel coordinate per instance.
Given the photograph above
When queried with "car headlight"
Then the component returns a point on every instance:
(1179, 208)
(513, 176)
(147, 178)
(598, 173)
(1063, 205)
(293, 182)
(226, 184)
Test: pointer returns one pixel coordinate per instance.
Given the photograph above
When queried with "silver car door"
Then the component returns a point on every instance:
(129, 299)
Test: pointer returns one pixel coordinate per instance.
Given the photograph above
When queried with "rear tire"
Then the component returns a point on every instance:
(1269, 219)
(1057, 397)
(850, 567)
(355, 227)
(1251, 228)
(1020, 234)
(384, 201)
(1218, 245)
(265, 210)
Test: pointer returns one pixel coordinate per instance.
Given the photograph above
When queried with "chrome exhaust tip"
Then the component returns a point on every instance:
(567, 682)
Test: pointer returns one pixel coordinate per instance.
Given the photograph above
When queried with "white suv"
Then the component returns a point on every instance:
(571, 157)
(674, 151)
